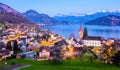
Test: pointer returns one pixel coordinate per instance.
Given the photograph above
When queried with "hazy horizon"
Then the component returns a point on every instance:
(64, 7)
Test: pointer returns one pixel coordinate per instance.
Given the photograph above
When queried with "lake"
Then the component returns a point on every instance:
(93, 30)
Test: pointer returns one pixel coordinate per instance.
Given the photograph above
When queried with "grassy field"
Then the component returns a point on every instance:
(65, 65)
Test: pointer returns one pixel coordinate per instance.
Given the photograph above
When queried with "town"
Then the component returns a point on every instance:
(31, 42)
(59, 35)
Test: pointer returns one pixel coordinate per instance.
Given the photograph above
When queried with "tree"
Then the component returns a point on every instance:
(2, 45)
(89, 56)
(9, 47)
(56, 51)
(116, 58)
(45, 36)
(85, 33)
(3, 26)
(15, 46)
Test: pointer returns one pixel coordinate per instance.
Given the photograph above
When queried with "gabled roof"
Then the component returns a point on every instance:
(93, 38)
(73, 39)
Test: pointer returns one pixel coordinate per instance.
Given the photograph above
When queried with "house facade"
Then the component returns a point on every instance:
(92, 41)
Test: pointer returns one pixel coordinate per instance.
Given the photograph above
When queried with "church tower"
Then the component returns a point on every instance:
(81, 32)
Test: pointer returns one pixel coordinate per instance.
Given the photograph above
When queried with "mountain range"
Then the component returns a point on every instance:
(84, 18)
(38, 18)
(109, 20)
(10, 15)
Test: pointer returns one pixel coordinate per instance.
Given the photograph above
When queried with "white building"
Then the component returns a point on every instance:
(92, 41)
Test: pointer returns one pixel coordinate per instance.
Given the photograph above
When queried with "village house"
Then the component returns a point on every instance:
(44, 52)
(27, 55)
(117, 44)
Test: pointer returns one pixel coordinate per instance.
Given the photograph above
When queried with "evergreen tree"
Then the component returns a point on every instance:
(9, 47)
(15, 46)
(85, 33)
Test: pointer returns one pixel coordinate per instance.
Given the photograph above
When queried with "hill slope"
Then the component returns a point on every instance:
(39, 18)
(9, 15)
(110, 20)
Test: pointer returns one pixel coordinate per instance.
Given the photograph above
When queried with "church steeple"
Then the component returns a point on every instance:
(81, 32)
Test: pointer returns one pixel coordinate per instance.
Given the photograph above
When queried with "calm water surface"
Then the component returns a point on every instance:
(93, 30)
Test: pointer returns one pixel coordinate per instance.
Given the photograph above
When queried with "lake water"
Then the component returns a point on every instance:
(93, 30)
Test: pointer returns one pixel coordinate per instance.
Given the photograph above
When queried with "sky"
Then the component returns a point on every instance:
(64, 7)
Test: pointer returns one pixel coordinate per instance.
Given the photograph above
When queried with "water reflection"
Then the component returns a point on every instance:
(103, 31)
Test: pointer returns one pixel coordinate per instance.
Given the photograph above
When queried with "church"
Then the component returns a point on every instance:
(90, 41)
